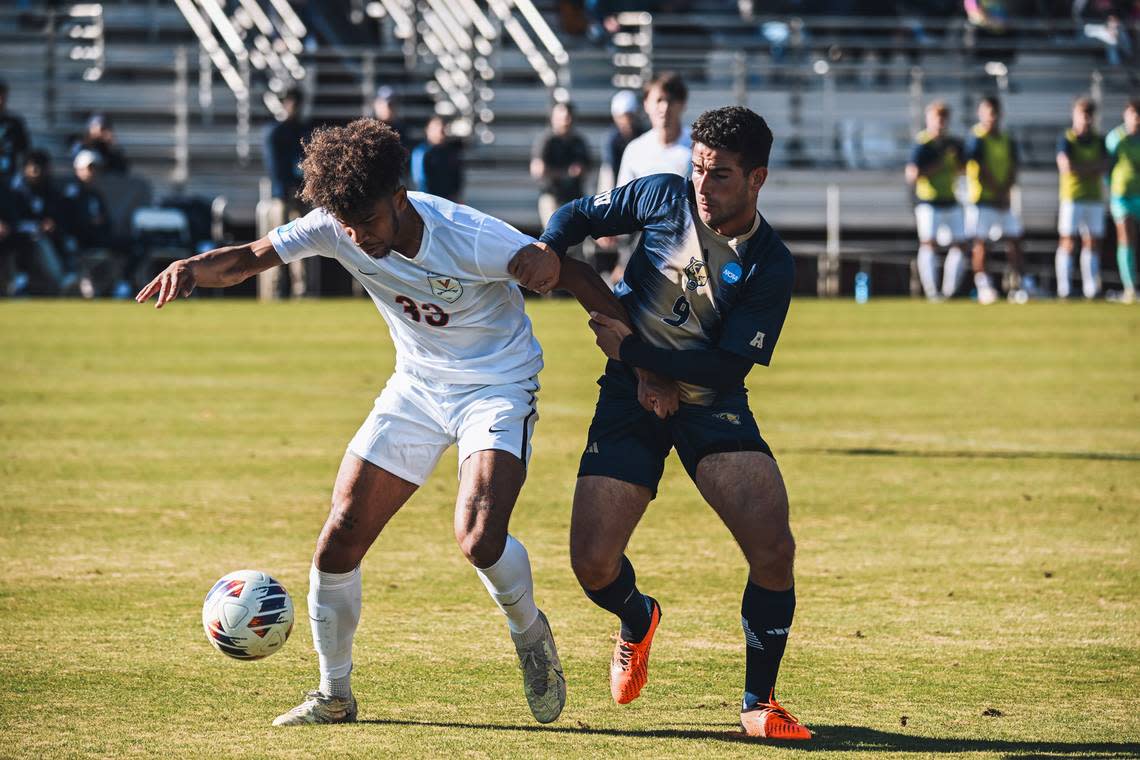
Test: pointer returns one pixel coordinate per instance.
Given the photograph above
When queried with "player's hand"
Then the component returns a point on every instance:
(610, 333)
(536, 267)
(177, 280)
(657, 393)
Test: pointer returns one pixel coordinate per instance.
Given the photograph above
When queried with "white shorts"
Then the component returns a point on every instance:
(413, 422)
(939, 224)
(1081, 217)
(989, 222)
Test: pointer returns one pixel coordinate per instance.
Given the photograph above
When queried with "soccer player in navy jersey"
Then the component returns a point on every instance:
(706, 292)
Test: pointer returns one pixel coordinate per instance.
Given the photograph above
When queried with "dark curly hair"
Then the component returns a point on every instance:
(347, 169)
(737, 129)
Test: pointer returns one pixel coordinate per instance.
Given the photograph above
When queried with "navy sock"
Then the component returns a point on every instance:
(766, 617)
(624, 600)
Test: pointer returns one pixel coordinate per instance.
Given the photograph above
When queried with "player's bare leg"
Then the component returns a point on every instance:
(605, 513)
(986, 292)
(1090, 266)
(365, 497)
(747, 492)
(1016, 265)
(489, 485)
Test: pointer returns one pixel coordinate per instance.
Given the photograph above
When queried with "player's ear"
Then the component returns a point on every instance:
(757, 177)
(400, 199)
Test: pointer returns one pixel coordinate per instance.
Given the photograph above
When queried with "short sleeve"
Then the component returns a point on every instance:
(495, 246)
(753, 325)
(1064, 146)
(973, 149)
(314, 234)
(917, 152)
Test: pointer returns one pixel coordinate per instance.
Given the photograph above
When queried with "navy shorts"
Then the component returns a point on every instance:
(630, 444)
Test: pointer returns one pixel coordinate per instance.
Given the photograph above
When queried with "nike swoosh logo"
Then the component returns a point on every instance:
(358, 269)
(496, 430)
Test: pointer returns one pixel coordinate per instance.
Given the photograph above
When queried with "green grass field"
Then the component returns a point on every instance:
(965, 489)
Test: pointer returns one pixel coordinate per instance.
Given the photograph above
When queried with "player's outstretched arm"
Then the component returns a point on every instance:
(219, 268)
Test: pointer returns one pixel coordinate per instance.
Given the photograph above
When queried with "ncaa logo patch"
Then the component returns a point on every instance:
(729, 417)
(730, 273)
(447, 288)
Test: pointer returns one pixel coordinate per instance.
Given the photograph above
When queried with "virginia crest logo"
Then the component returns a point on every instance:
(447, 288)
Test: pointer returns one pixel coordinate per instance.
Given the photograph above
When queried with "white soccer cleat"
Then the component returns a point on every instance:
(543, 682)
(319, 708)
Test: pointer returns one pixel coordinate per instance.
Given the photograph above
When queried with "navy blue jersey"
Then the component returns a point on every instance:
(685, 286)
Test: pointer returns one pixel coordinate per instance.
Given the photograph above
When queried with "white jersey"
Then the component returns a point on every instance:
(455, 314)
(646, 155)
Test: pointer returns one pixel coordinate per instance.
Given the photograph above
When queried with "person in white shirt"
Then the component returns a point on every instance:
(666, 148)
(443, 277)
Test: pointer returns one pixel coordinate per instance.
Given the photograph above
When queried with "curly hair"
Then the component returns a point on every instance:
(737, 129)
(347, 169)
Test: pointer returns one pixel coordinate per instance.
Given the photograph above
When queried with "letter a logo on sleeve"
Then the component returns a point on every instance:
(757, 340)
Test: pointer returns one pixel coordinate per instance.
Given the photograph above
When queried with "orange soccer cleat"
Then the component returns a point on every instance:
(629, 669)
(769, 720)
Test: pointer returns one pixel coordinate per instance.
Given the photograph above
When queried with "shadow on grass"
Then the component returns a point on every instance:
(827, 739)
(1093, 456)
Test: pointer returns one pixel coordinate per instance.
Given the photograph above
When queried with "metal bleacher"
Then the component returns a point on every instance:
(843, 97)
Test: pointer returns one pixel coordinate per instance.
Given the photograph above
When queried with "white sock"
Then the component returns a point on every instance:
(334, 611)
(1090, 272)
(509, 583)
(952, 272)
(927, 271)
(982, 281)
(1064, 263)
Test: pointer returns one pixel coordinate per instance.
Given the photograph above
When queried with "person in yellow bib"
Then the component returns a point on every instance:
(933, 169)
(1123, 146)
(991, 172)
(1082, 161)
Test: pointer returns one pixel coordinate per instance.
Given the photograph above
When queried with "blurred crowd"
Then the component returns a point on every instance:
(76, 232)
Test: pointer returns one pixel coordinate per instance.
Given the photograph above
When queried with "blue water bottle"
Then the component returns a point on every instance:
(862, 287)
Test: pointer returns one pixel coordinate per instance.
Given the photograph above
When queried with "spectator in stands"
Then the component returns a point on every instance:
(86, 220)
(10, 249)
(41, 210)
(386, 108)
(936, 162)
(559, 161)
(666, 147)
(991, 169)
(13, 139)
(100, 138)
(283, 155)
(1082, 162)
(437, 162)
(1124, 189)
(625, 110)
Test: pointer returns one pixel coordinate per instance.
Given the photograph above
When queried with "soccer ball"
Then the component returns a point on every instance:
(247, 615)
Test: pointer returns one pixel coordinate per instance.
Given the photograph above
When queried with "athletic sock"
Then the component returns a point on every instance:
(982, 281)
(509, 583)
(952, 272)
(766, 617)
(926, 271)
(334, 612)
(1127, 264)
(1090, 272)
(624, 600)
(1064, 265)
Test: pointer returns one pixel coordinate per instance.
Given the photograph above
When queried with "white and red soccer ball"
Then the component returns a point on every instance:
(247, 615)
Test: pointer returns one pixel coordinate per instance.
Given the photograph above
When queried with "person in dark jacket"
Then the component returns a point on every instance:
(437, 162)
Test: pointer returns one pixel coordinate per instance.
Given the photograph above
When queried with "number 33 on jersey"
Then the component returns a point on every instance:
(458, 280)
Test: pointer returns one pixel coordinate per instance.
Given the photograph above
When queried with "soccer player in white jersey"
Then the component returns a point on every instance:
(443, 277)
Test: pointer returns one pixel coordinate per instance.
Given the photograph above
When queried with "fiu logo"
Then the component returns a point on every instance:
(729, 417)
(696, 274)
